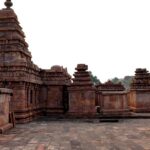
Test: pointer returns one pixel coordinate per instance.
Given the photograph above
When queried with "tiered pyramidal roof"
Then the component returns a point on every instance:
(82, 76)
(13, 47)
(141, 79)
(110, 86)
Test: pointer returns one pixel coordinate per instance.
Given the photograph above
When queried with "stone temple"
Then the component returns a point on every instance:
(53, 92)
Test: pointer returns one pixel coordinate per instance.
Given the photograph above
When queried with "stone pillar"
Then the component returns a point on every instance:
(82, 94)
(5, 95)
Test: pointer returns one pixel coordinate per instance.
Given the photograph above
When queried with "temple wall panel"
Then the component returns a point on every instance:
(5, 97)
(113, 103)
(54, 98)
(82, 103)
(140, 101)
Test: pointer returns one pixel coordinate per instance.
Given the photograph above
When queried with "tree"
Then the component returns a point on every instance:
(115, 80)
(126, 81)
(95, 80)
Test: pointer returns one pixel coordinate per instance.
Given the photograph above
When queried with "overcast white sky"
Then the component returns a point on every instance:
(111, 36)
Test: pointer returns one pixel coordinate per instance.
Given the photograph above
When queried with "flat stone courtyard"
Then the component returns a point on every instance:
(43, 134)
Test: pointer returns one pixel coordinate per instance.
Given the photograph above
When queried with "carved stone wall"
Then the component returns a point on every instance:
(36, 91)
(5, 96)
(39, 91)
(140, 91)
(55, 79)
(112, 99)
(82, 94)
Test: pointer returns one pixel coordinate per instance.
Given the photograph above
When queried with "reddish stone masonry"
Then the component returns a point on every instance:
(112, 99)
(53, 92)
(110, 86)
(82, 93)
(139, 100)
(35, 91)
(5, 96)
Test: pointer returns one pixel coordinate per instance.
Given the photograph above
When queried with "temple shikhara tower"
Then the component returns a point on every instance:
(53, 92)
(35, 90)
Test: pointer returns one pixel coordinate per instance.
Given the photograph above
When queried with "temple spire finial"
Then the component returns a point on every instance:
(8, 4)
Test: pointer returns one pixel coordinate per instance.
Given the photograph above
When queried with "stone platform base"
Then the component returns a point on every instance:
(140, 110)
(80, 115)
(27, 115)
(6, 127)
(113, 113)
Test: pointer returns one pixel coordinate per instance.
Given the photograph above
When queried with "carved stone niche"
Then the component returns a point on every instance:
(5, 96)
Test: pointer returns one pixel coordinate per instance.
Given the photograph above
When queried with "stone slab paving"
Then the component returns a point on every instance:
(78, 135)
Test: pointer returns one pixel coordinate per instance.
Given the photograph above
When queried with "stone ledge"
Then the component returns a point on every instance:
(5, 91)
(113, 92)
(5, 127)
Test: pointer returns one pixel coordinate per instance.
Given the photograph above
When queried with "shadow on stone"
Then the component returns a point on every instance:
(109, 120)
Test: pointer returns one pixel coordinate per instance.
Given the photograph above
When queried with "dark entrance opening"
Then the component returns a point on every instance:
(65, 99)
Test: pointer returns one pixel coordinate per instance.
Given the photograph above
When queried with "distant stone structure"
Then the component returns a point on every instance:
(112, 99)
(53, 92)
(110, 86)
(139, 100)
(82, 93)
